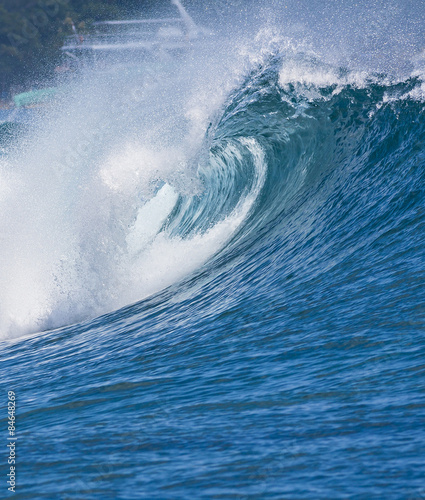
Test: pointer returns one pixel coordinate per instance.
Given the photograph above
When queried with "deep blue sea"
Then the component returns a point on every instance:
(229, 284)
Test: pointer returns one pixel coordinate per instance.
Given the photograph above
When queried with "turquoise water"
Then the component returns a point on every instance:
(278, 348)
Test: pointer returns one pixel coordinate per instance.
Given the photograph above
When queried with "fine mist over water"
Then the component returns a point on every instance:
(75, 241)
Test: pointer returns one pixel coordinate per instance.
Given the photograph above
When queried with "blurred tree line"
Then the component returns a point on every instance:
(32, 32)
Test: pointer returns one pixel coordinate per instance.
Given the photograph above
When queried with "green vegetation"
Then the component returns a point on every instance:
(32, 31)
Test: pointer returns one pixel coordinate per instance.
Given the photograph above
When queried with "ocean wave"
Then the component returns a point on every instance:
(296, 140)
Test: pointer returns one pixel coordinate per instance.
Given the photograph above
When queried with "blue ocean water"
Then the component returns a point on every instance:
(278, 349)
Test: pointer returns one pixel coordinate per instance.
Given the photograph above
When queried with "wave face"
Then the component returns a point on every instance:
(280, 257)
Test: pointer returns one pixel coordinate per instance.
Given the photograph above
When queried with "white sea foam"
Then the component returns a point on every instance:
(84, 197)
